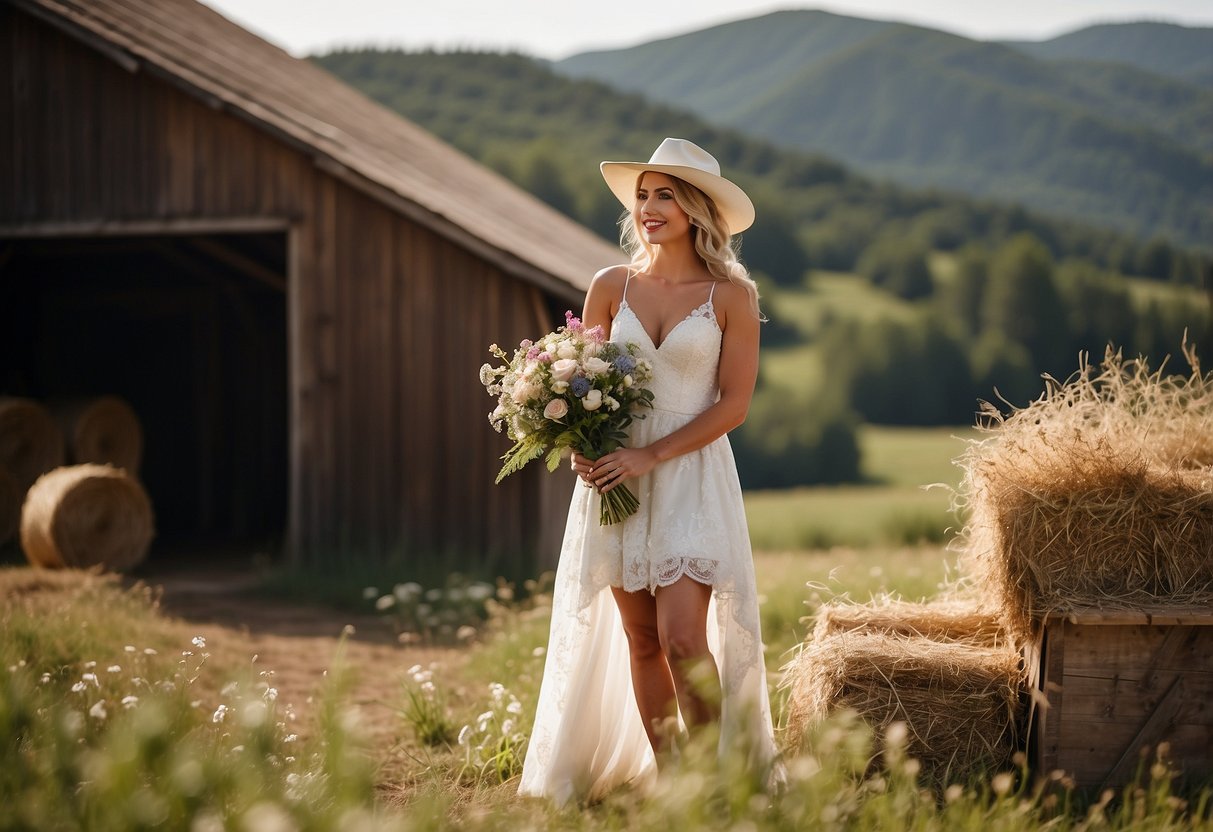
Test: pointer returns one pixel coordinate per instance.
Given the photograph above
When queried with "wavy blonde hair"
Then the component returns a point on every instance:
(713, 242)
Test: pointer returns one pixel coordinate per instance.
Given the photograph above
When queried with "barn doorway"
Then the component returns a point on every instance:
(190, 329)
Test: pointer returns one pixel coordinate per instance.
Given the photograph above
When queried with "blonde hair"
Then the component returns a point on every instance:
(713, 243)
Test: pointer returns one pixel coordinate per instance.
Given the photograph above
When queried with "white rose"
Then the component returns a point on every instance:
(627, 380)
(566, 349)
(556, 409)
(560, 387)
(563, 369)
(595, 366)
(592, 400)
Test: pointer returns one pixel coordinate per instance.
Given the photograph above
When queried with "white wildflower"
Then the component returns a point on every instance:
(149, 651)
(79, 686)
(498, 691)
(130, 701)
(219, 714)
(290, 738)
(198, 641)
(465, 633)
(271, 694)
(114, 668)
(515, 707)
(465, 734)
(539, 652)
(414, 670)
(507, 727)
(98, 710)
(89, 665)
(385, 602)
(428, 688)
(130, 648)
(229, 689)
(91, 677)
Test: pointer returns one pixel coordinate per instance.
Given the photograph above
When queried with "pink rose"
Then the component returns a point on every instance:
(556, 410)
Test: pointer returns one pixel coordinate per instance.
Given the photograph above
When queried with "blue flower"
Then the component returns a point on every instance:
(580, 386)
(625, 364)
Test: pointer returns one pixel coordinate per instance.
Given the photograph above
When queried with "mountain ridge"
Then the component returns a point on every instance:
(932, 108)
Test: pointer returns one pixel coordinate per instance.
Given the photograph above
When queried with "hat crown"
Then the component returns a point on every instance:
(686, 154)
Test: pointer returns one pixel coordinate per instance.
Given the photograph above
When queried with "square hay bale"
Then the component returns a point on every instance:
(951, 619)
(1113, 686)
(1098, 494)
(959, 701)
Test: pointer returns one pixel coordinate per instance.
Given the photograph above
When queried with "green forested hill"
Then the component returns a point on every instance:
(1110, 145)
(1183, 52)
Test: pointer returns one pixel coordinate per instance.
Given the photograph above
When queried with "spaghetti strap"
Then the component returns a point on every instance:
(711, 291)
(624, 298)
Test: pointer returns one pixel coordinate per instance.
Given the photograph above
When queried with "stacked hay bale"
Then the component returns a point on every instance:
(1098, 494)
(946, 670)
(80, 515)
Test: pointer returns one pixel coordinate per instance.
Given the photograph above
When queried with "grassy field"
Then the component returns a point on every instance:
(115, 717)
(910, 475)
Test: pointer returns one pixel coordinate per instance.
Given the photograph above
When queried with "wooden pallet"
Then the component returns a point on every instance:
(1114, 682)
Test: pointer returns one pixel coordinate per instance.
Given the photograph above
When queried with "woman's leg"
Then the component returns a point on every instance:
(651, 680)
(682, 618)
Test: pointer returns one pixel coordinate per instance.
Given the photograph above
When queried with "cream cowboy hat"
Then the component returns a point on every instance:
(690, 163)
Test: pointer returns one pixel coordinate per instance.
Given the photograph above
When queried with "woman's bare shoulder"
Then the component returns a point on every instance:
(733, 301)
(612, 275)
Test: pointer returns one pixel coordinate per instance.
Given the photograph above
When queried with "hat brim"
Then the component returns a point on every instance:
(731, 201)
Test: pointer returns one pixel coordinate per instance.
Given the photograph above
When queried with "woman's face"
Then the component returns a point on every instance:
(656, 210)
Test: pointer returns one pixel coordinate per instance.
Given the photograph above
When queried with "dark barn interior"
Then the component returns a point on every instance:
(191, 331)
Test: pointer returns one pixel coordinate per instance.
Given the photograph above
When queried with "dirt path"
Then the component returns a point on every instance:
(298, 642)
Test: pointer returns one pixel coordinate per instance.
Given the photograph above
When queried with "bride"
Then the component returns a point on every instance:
(656, 618)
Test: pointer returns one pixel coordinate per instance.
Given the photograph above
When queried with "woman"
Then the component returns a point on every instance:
(657, 617)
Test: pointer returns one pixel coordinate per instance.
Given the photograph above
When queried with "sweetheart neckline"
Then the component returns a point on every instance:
(623, 304)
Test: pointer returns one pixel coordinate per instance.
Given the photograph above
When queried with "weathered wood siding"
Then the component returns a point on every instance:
(390, 452)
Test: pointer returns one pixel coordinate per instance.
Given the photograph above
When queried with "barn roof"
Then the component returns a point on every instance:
(346, 134)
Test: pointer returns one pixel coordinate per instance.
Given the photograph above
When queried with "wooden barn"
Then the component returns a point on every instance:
(293, 286)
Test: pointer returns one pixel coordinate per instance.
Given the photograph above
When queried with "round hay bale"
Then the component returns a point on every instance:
(104, 430)
(30, 441)
(10, 505)
(86, 515)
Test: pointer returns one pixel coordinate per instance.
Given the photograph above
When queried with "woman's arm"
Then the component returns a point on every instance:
(601, 305)
(737, 376)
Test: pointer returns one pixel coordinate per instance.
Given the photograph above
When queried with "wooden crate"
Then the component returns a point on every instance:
(1115, 682)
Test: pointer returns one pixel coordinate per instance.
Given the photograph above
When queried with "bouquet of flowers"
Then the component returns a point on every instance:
(570, 390)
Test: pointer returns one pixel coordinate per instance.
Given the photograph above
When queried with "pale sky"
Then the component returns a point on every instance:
(551, 29)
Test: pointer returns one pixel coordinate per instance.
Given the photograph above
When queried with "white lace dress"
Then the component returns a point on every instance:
(588, 737)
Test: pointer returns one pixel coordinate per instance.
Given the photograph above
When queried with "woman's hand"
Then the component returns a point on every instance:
(611, 470)
(582, 466)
